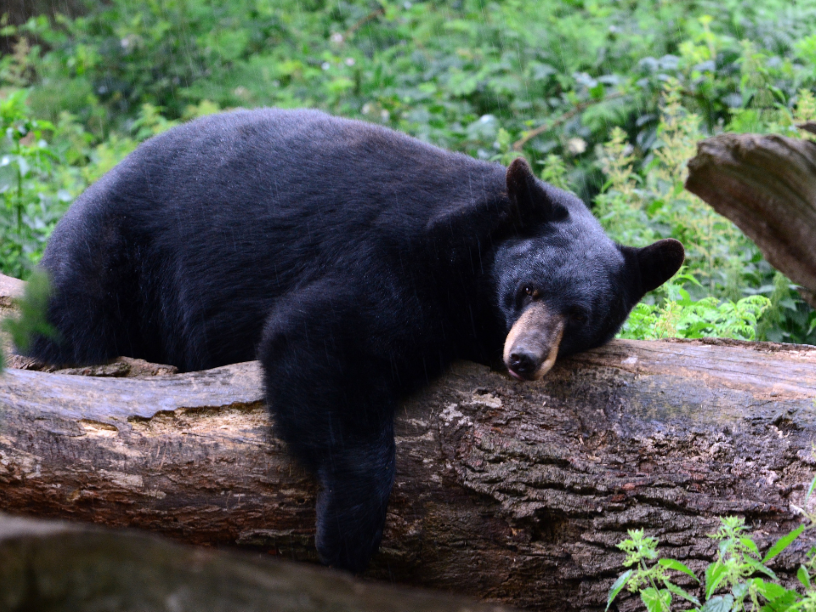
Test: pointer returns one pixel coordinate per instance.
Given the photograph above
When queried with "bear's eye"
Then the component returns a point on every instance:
(527, 291)
(526, 294)
(578, 315)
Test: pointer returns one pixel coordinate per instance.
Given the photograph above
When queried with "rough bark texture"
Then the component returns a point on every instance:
(51, 566)
(10, 289)
(506, 491)
(767, 186)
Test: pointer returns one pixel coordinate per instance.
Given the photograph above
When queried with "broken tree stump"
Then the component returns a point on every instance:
(766, 185)
(54, 566)
(510, 492)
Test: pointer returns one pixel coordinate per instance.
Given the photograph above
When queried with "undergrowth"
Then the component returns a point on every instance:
(606, 99)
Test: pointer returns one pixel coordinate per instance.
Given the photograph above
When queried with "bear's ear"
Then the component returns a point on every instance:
(658, 262)
(531, 202)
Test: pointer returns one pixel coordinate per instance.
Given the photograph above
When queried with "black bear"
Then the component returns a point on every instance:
(355, 262)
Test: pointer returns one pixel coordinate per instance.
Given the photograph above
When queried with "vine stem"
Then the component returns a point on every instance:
(19, 208)
(654, 585)
(580, 107)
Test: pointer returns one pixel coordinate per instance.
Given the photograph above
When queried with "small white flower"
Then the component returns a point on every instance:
(349, 61)
(337, 38)
(576, 146)
(325, 65)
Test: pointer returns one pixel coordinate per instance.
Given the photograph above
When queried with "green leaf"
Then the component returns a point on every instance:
(682, 593)
(676, 565)
(812, 482)
(656, 601)
(597, 92)
(803, 576)
(617, 586)
(720, 603)
(725, 545)
(771, 591)
(750, 545)
(783, 543)
(739, 590)
(782, 603)
(714, 576)
(758, 567)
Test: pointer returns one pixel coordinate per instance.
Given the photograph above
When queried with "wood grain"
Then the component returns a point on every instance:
(766, 184)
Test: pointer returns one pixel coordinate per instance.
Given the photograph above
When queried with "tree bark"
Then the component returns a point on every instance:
(51, 566)
(767, 186)
(510, 492)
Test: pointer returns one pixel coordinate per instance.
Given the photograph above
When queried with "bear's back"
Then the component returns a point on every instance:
(297, 175)
(233, 210)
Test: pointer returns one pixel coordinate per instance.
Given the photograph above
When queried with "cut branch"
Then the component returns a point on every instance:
(767, 186)
(510, 492)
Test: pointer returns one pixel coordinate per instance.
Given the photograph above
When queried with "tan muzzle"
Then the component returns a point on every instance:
(532, 345)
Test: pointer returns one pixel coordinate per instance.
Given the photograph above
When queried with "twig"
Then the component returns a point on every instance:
(517, 146)
(360, 23)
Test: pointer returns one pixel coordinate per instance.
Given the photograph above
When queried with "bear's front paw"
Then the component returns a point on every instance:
(350, 519)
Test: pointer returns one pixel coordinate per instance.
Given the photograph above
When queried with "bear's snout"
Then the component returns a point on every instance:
(532, 344)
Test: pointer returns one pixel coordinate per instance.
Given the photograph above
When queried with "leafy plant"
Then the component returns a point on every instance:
(32, 318)
(738, 580)
(678, 316)
(24, 159)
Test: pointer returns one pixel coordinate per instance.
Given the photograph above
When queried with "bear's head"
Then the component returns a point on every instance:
(563, 285)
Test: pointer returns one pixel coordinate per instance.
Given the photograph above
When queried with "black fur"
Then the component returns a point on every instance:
(354, 261)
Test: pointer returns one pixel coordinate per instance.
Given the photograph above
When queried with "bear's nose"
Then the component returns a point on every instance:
(522, 362)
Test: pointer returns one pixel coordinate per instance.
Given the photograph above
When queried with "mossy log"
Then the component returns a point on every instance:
(766, 184)
(511, 492)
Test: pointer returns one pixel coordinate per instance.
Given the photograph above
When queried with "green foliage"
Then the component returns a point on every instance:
(32, 320)
(678, 316)
(727, 289)
(455, 73)
(739, 580)
(25, 162)
(45, 165)
(608, 99)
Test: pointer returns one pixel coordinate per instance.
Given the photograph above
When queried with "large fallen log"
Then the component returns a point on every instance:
(54, 566)
(508, 491)
(766, 184)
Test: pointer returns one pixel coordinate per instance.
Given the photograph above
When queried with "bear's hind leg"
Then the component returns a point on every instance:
(92, 303)
(332, 394)
(87, 332)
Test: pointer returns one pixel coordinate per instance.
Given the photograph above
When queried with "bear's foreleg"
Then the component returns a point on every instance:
(332, 393)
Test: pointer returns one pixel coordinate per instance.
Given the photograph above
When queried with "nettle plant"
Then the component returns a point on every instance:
(739, 580)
